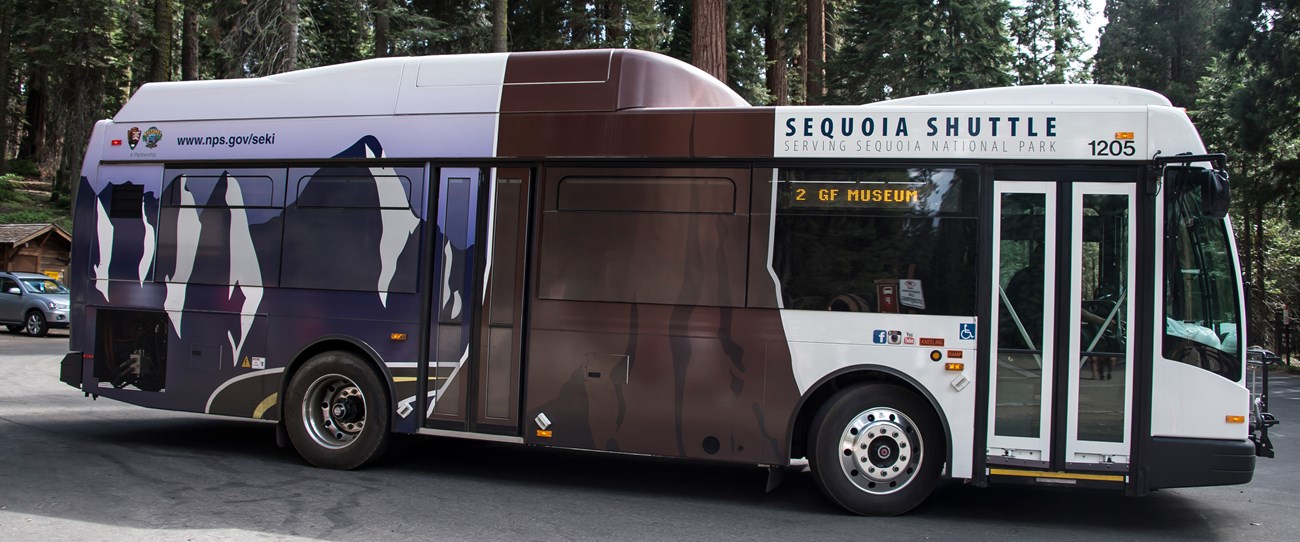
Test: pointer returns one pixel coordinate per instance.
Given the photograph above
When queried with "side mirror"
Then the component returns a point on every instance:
(1215, 193)
(1212, 184)
(15, 291)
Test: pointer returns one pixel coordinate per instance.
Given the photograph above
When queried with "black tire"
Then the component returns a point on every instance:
(336, 412)
(35, 325)
(862, 447)
(14, 328)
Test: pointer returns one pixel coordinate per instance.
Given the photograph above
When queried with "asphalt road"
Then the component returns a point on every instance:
(76, 469)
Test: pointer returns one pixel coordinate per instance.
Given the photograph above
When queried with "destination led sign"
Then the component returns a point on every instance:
(844, 195)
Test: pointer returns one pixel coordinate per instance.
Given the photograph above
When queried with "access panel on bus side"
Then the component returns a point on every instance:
(639, 339)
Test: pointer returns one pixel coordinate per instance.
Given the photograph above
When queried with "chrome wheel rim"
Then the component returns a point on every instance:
(881, 451)
(34, 324)
(334, 411)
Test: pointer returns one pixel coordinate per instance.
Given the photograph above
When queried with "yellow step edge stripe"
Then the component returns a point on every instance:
(1060, 475)
(265, 405)
(412, 378)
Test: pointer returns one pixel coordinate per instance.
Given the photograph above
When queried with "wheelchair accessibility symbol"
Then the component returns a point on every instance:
(966, 332)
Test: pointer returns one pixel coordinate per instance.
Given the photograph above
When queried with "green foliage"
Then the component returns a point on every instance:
(37, 215)
(22, 168)
(1283, 255)
(1249, 103)
(334, 31)
(896, 48)
(17, 207)
(1049, 42)
(746, 58)
(8, 191)
(1161, 45)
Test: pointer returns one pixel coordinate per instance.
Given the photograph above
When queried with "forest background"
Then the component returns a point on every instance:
(1233, 64)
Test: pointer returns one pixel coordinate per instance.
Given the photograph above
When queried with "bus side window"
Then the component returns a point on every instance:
(877, 240)
(645, 236)
(349, 228)
(203, 210)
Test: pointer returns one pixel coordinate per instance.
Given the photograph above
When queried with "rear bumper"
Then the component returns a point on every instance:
(1185, 462)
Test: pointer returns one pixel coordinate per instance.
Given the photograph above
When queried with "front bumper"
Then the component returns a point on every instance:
(1187, 462)
(58, 318)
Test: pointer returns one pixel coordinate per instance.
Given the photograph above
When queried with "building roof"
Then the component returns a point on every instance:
(16, 234)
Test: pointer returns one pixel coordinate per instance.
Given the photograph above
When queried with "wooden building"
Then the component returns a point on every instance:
(35, 248)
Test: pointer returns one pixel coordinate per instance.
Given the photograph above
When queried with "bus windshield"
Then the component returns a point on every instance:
(1202, 324)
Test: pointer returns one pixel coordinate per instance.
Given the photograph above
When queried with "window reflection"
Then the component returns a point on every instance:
(877, 239)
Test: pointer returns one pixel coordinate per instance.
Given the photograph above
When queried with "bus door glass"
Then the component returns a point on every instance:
(452, 288)
(1061, 381)
(477, 292)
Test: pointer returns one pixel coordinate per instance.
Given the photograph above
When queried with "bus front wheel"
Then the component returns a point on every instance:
(876, 449)
(336, 412)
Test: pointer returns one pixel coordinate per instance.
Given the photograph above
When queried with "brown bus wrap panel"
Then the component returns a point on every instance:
(692, 372)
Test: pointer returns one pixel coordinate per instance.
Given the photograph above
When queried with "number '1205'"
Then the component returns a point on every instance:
(1114, 147)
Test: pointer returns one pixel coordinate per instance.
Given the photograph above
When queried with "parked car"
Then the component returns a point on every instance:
(32, 303)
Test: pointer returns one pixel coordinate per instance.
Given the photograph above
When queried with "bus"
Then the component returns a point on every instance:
(609, 250)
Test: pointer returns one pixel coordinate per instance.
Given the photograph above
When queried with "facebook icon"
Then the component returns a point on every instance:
(879, 336)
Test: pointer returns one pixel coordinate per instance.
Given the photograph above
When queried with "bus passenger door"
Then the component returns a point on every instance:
(473, 372)
(1061, 380)
(500, 335)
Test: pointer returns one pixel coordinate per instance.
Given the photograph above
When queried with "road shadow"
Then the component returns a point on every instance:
(203, 468)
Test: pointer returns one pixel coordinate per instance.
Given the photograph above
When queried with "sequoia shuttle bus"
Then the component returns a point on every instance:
(611, 250)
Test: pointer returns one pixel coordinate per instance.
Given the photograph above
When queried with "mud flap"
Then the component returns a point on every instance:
(70, 369)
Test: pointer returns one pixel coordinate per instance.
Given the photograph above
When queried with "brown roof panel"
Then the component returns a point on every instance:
(558, 67)
(652, 80)
(607, 80)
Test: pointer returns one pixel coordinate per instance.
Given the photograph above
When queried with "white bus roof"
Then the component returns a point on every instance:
(1071, 95)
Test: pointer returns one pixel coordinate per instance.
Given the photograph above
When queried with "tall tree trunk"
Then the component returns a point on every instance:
(615, 19)
(709, 37)
(1258, 293)
(290, 62)
(816, 51)
(190, 41)
(500, 21)
(6, 36)
(34, 136)
(160, 47)
(382, 44)
(774, 46)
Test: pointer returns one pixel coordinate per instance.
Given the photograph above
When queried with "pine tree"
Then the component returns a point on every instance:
(1161, 45)
(1049, 42)
(333, 30)
(160, 47)
(896, 48)
(746, 58)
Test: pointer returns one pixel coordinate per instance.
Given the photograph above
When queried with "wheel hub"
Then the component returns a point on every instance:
(881, 450)
(334, 411)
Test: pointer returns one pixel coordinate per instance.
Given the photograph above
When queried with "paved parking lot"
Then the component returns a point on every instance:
(76, 469)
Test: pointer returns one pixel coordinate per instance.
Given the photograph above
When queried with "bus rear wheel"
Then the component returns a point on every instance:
(876, 449)
(336, 412)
